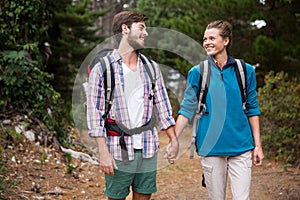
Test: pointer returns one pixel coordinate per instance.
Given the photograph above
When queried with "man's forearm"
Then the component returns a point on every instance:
(171, 133)
(102, 146)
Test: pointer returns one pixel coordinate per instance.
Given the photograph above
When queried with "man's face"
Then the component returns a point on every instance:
(137, 34)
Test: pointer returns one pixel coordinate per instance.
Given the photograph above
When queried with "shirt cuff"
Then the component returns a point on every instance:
(166, 123)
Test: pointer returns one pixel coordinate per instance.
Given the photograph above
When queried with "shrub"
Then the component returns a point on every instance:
(6, 183)
(26, 87)
(279, 101)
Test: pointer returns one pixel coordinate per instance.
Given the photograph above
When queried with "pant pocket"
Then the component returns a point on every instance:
(207, 168)
(206, 172)
(249, 163)
(206, 165)
(248, 159)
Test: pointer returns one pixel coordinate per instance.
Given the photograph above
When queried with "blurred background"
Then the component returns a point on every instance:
(43, 44)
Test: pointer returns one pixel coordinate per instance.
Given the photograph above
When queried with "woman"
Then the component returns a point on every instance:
(227, 136)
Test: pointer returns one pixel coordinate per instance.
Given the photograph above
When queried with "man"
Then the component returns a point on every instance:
(134, 106)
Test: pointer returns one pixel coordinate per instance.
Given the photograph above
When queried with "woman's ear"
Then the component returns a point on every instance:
(226, 41)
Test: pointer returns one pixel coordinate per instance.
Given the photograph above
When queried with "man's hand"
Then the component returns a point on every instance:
(258, 156)
(107, 162)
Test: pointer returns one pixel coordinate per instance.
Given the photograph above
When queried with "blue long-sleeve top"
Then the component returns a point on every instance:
(224, 130)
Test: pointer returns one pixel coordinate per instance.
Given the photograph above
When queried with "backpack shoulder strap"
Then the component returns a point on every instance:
(109, 82)
(149, 65)
(240, 71)
(100, 54)
(203, 85)
(203, 89)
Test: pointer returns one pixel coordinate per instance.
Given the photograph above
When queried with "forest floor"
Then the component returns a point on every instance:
(41, 173)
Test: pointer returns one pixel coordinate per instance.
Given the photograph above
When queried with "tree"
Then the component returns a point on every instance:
(25, 86)
(72, 35)
(275, 46)
(191, 17)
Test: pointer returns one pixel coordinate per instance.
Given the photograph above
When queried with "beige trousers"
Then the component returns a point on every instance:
(238, 168)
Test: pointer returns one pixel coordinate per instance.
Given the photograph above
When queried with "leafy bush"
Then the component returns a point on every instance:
(26, 87)
(6, 183)
(280, 106)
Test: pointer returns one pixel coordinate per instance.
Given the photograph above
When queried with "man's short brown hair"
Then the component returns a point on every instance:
(126, 17)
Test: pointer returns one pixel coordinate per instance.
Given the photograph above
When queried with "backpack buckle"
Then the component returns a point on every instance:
(151, 95)
(108, 101)
(203, 109)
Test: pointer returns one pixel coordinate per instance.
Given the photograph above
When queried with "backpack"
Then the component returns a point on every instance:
(240, 71)
(103, 56)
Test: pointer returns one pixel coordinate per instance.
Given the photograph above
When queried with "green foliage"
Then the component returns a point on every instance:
(277, 45)
(13, 134)
(191, 18)
(22, 22)
(6, 183)
(273, 47)
(70, 166)
(44, 157)
(72, 35)
(25, 86)
(279, 101)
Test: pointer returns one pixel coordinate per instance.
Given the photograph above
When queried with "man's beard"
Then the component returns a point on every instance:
(134, 44)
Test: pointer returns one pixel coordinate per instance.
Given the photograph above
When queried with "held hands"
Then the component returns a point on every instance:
(172, 150)
(258, 156)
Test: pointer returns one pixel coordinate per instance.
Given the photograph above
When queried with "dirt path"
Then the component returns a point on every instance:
(181, 181)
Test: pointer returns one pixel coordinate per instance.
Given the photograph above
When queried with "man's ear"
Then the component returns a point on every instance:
(125, 29)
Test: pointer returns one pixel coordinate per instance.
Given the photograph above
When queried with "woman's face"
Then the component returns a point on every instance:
(213, 43)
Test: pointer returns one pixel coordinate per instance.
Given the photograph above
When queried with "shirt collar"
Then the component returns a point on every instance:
(221, 65)
(230, 60)
(116, 56)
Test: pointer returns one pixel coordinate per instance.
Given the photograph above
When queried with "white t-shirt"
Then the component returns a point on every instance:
(134, 95)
